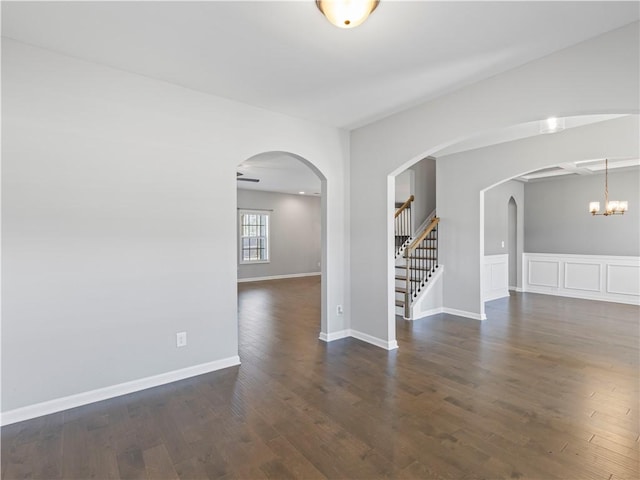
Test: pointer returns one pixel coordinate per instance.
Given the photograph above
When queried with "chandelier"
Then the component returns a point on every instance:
(612, 207)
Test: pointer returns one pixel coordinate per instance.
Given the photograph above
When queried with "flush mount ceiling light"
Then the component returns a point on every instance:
(552, 125)
(347, 13)
(612, 207)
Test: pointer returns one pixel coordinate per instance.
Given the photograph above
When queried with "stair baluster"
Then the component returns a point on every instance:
(402, 225)
(421, 261)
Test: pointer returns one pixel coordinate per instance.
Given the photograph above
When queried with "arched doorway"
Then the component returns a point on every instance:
(281, 220)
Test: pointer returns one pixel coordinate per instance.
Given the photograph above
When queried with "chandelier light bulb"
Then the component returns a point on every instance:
(611, 207)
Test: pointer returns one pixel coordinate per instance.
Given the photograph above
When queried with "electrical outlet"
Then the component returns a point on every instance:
(339, 310)
(502, 243)
(181, 339)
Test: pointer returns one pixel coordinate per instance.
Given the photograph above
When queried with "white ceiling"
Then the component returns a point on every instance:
(284, 56)
(517, 132)
(279, 172)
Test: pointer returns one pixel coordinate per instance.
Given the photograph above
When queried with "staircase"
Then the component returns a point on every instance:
(416, 259)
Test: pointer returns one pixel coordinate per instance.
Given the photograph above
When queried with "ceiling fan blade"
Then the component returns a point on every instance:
(248, 179)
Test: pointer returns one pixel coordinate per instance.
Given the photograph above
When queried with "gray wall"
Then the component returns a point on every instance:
(424, 189)
(583, 79)
(418, 180)
(461, 194)
(496, 226)
(294, 233)
(557, 218)
(496, 212)
(404, 185)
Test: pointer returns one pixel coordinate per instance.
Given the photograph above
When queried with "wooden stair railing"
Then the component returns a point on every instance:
(421, 261)
(402, 225)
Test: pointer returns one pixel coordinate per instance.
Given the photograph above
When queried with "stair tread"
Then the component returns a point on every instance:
(401, 290)
(399, 303)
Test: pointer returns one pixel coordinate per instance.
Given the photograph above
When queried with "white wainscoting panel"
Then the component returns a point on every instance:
(544, 273)
(623, 279)
(596, 277)
(495, 277)
(582, 276)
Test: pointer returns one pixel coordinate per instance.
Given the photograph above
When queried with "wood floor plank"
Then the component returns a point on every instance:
(545, 388)
(158, 463)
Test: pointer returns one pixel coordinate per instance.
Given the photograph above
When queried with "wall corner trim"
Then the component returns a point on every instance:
(464, 313)
(330, 337)
(84, 398)
(365, 337)
(428, 313)
(378, 342)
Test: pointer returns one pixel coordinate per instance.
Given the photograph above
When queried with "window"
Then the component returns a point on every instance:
(254, 236)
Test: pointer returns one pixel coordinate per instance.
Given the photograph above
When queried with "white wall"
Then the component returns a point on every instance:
(119, 224)
(597, 76)
(294, 233)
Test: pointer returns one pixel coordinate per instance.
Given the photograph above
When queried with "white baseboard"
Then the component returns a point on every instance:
(463, 313)
(330, 337)
(428, 313)
(584, 296)
(452, 311)
(278, 277)
(84, 398)
(378, 342)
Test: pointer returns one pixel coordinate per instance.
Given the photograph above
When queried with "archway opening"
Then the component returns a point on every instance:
(281, 248)
(457, 193)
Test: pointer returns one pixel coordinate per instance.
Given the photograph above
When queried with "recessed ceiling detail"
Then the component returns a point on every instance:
(584, 167)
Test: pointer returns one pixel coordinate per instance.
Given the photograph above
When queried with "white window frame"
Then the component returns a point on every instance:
(266, 237)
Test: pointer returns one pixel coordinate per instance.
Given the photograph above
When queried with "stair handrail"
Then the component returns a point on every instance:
(403, 225)
(404, 206)
(423, 235)
(429, 266)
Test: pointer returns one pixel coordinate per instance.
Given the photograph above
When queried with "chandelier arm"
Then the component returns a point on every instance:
(606, 185)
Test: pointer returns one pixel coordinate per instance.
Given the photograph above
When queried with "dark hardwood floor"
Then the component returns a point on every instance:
(546, 388)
